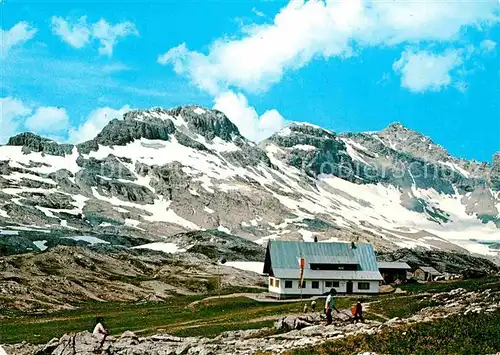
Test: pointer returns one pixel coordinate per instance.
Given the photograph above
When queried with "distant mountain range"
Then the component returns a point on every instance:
(155, 173)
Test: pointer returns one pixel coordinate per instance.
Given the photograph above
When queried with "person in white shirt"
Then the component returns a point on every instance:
(100, 332)
(329, 306)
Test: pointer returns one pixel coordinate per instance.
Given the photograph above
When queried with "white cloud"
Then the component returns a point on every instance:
(18, 34)
(488, 45)
(15, 117)
(52, 122)
(259, 59)
(94, 123)
(80, 33)
(423, 70)
(77, 35)
(48, 120)
(304, 30)
(108, 34)
(12, 111)
(236, 108)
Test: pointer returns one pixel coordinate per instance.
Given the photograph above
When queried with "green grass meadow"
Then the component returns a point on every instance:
(175, 316)
(179, 316)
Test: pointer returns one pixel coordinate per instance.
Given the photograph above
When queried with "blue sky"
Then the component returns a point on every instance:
(67, 68)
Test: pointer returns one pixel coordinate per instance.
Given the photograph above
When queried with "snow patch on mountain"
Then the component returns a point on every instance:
(49, 163)
(88, 239)
(199, 111)
(170, 248)
(40, 244)
(253, 266)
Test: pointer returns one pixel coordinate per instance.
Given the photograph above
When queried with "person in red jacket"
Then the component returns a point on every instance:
(357, 312)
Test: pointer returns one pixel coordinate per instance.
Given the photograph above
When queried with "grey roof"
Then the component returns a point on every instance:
(285, 255)
(430, 270)
(394, 265)
(289, 273)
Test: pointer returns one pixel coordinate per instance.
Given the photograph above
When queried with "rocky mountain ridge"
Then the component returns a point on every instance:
(156, 173)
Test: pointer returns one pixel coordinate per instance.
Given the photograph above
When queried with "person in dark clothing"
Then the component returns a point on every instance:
(358, 312)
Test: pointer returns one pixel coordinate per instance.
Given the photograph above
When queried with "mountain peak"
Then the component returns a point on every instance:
(27, 137)
(306, 128)
(32, 142)
(186, 123)
(401, 138)
(396, 126)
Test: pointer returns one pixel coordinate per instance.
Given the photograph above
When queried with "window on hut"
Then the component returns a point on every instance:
(330, 284)
(363, 285)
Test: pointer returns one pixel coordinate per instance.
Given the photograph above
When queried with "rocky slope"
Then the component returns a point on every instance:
(65, 275)
(157, 173)
(452, 263)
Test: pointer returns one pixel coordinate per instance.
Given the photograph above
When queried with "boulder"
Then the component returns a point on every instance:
(76, 344)
(127, 339)
(183, 348)
(295, 322)
(48, 348)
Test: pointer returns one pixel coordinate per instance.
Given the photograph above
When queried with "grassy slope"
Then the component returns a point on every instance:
(209, 318)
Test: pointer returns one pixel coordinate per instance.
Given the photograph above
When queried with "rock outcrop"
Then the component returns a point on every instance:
(31, 142)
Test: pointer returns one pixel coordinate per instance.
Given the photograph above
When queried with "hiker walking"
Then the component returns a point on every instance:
(357, 312)
(305, 308)
(100, 332)
(313, 306)
(329, 306)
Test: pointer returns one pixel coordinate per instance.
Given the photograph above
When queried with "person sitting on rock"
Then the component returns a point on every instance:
(358, 312)
(100, 332)
(329, 306)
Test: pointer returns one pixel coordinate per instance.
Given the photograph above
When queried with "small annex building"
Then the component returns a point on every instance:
(393, 271)
(426, 273)
(347, 267)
